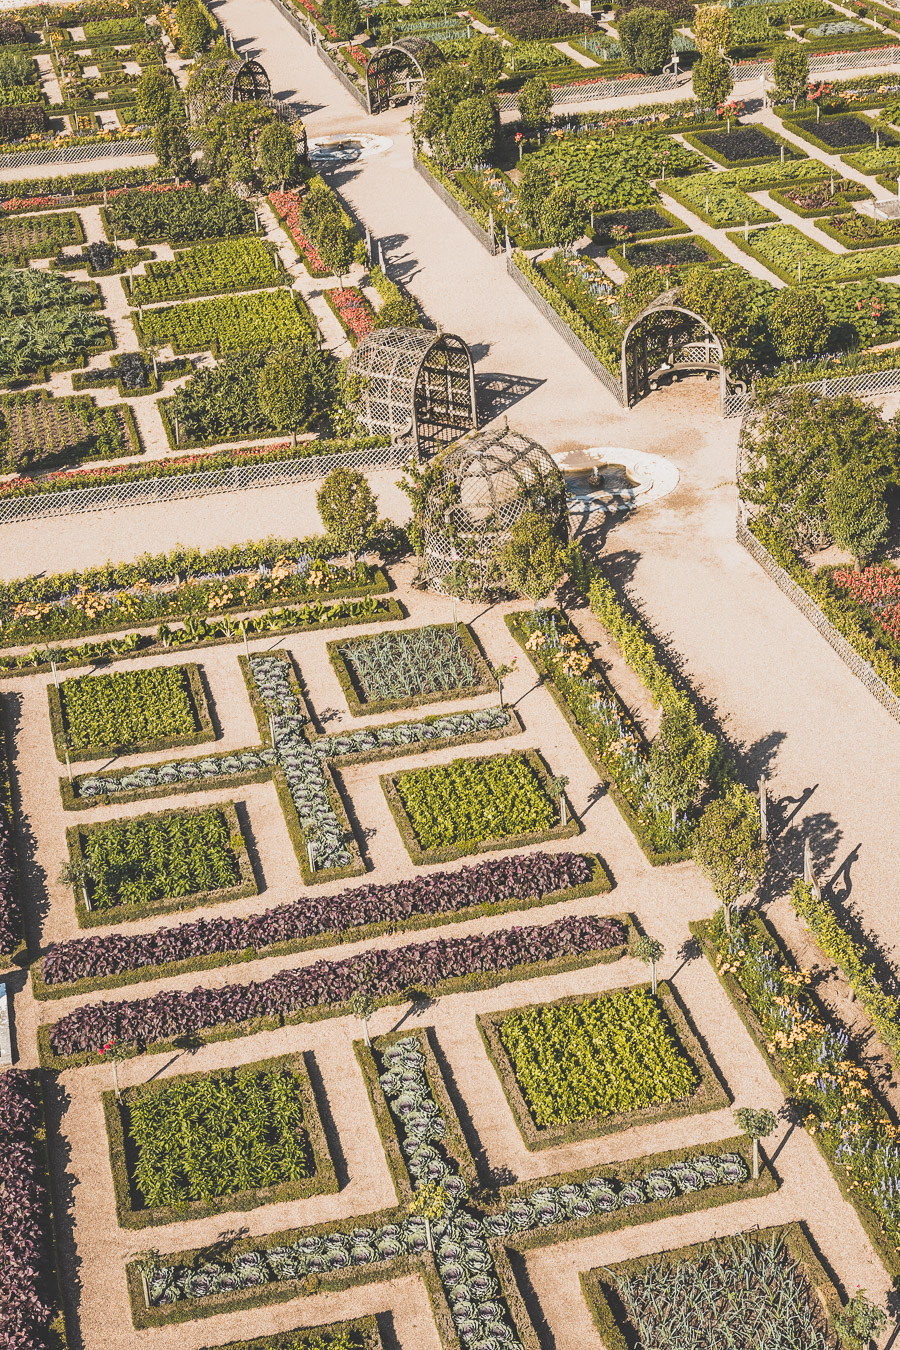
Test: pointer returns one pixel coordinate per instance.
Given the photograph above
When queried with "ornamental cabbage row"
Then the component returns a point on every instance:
(325, 984)
(25, 1241)
(10, 914)
(492, 882)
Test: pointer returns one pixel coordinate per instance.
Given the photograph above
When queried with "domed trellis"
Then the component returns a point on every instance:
(668, 338)
(484, 484)
(395, 73)
(232, 80)
(414, 382)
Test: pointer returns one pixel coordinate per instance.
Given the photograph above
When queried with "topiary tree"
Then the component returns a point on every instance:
(556, 788)
(798, 322)
(563, 218)
(276, 155)
(790, 71)
(473, 130)
(859, 1321)
(195, 28)
(349, 511)
(362, 1005)
(485, 66)
(430, 1202)
(646, 36)
(534, 558)
(295, 386)
(173, 150)
(683, 757)
(154, 96)
(857, 513)
(727, 846)
(336, 243)
(535, 186)
(649, 950)
(398, 311)
(711, 79)
(711, 27)
(535, 105)
(757, 1124)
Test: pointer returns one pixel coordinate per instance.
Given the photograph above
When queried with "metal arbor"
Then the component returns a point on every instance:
(415, 383)
(249, 82)
(485, 483)
(667, 338)
(219, 83)
(397, 72)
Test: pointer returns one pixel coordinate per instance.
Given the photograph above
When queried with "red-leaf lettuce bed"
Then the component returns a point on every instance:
(362, 911)
(326, 986)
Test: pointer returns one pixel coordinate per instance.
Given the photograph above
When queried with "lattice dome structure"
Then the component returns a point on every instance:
(396, 73)
(667, 339)
(485, 483)
(220, 83)
(415, 383)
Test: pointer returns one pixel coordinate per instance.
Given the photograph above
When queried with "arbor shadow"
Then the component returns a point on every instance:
(785, 861)
(496, 393)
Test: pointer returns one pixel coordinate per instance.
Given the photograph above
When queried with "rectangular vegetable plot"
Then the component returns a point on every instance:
(583, 1067)
(150, 864)
(667, 253)
(207, 1143)
(42, 236)
(842, 133)
(206, 269)
(792, 255)
(761, 1289)
(403, 669)
(230, 323)
(471, 805)
(741, 144)
(39, 431)
(176, 216)
(97, 715)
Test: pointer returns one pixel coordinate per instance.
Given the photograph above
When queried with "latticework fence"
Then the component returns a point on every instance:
(848, 654)
(74, 154)
(487, 240)
(869, 382)
(177, 487)
(870, 58)
(565, 95)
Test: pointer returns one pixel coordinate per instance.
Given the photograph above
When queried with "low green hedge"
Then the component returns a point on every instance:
(360, 706)
(132, 1214)
(76, 839)
(710, 1093)
(805, 133)
(361, 1332)
(422, 857)
(19, 955)
(204, 733)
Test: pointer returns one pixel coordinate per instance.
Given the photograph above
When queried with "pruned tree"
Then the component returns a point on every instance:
(276, 155)
(649, 950)
(790, 71)
(646, 36)
(727, 846)
(711, 79)
(757, 1124)
(295, 386)
(348, 509)
(535, 104)
(533, 560)
(859, 1321)
(711, 27)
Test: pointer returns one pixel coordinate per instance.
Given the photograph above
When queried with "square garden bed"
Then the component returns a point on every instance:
(643, 222)
(583, 1067)
(764, 1288)
(149, 864)
(666, 253)
(847, 131)
(214, 1143)
(360, 1334)
(410, 667)
(95, 716)
(473, 805)
(742, 145)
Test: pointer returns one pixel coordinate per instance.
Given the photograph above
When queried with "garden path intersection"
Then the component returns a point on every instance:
(541, 1177)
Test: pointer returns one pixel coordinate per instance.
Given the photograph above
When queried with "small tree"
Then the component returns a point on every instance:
(798, 322)
(683, 757)
(727, 846)
(154, 95)
(857, 514)
(535, 186)
(195, 27)
(711, 79)
(276, 155)
(173, 150)
(398, 311)
(646, 36)
(711, 27)
(556, 788)
(362, 1005)
(345, 17)
(859, 1321)
(348, 509)
(758, 1124)
(485, 67)
(500, 673)
(790, 70)
(336, 246)
(535, 104)
(473, 131)
(77, 874)
(430, 1202)
(562, 217)
(533, 560)
(649, 950)
(294, 388)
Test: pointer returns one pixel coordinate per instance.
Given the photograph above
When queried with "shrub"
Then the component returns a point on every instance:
(857, 513)
(473, 130)
(727, 846)
(535, 104)
(711, 80)
(154, 96)
(348, 509)
(295, 387)
(790, 71)
(797, 322)
(646, 37)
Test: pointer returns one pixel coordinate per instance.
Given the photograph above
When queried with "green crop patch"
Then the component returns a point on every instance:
(39, 431)
(582, 1067)
(410, 667)
(140, 865)
(229, 323)
(177, 216)
(617, 171)
(42, 236)
(97, 715)
(794, 257)
(209, 269)
(207, 1143)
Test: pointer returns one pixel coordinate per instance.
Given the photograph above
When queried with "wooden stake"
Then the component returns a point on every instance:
(763, 823)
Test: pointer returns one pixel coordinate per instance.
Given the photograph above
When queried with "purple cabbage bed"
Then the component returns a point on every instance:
(492, 882)
(25, 1240)
(325, 984)
(10, 915)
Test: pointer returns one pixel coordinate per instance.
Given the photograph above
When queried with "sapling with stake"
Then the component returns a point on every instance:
(758, 1123)
(649, 950)
(500, 673)
(362, 1005)
(556, 787)
(430, 1203)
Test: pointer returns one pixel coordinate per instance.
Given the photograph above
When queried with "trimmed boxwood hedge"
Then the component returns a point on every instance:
(710, 1093)
(197, 694)
(645, 222)
(360, 706)
(363, 1333)
(77, 836)
(423, 856)
(597, 1284)
(132, 1214)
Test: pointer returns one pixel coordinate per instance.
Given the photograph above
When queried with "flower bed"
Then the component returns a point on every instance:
(583, 1067)
(354, 313)
(209, 269)
(325, 988)
(176, 215)
(212, 1143)
(409, 668)
(239, 323)
(26, 237)
(151, 864)
(793, 256)
(96, 716)
(742, 145)
(876, 589)
(494, 886)
(286, 206)
(38, 430)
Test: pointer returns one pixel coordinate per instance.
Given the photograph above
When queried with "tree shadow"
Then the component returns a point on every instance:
(34, 899)
(785, 860)
(483, 1168)
(252, 846)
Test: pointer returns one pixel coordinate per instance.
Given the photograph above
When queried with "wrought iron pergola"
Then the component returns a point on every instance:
(667, 338)
(415, 383)
(396, 73)
(486, 482)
